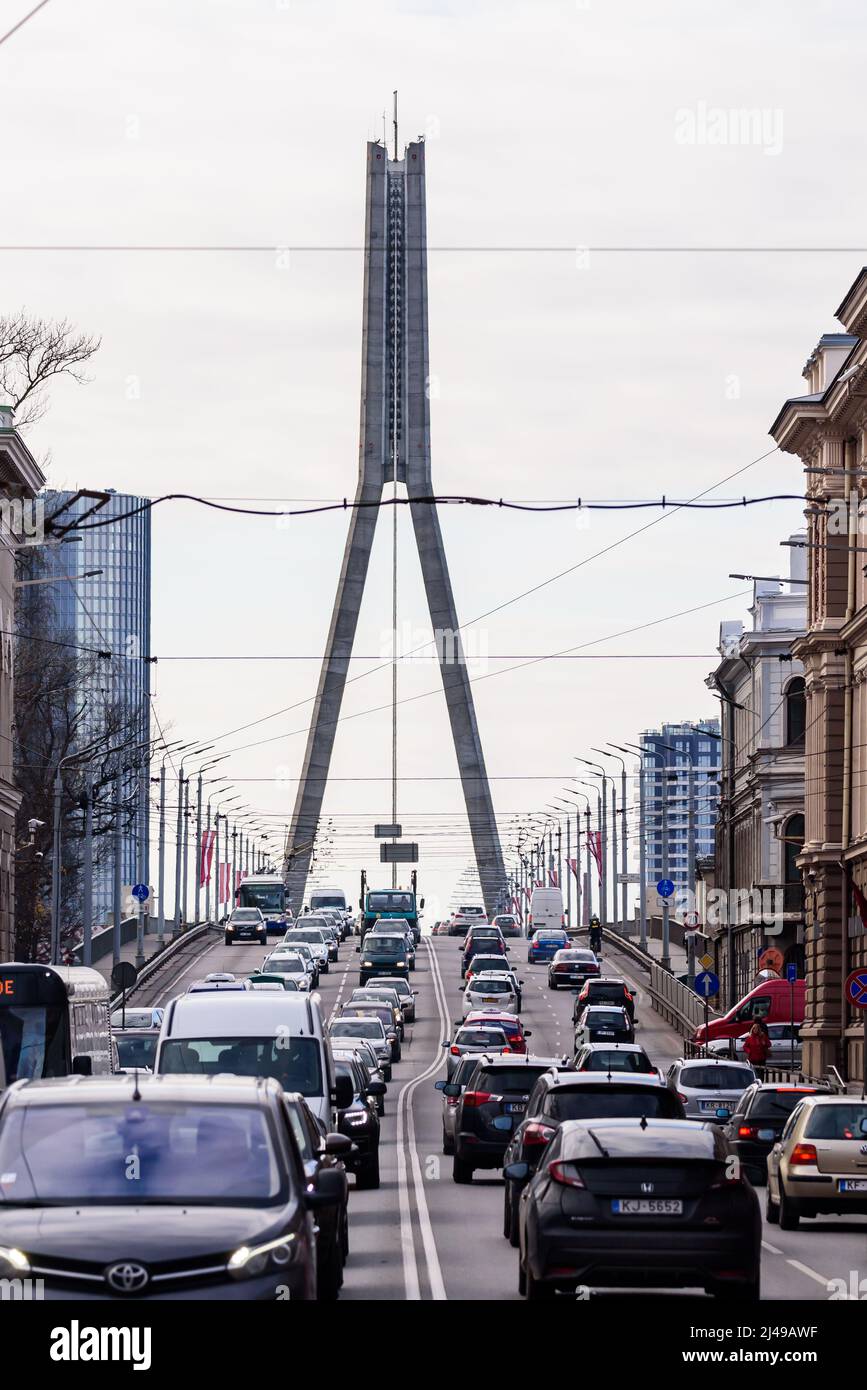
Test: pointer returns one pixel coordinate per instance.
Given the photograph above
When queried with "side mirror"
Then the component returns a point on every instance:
(451, 1088)
(517, 1172)
(376, 1088)
(358, 950)
(528, 1032)
(82, 1065)
(328, 1190)
(439, 1085)
(445, 1042)
(337, 1144)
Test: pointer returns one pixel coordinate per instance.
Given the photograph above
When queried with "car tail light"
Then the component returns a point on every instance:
(535, 1133)
(566, 1174)
(682, 1097)
(747, 1131)
(804, 1154)
(474, 1098)
(455, 1051)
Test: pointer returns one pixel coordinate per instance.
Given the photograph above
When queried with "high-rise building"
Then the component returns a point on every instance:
(109, 611)
(680, 761)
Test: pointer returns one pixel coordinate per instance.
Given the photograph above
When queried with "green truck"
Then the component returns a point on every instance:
(379, 904)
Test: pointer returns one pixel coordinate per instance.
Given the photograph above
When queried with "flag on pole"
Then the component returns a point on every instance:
(552, 879)
(573, 865)
(596, 850)
(208, 840)
(225, 882)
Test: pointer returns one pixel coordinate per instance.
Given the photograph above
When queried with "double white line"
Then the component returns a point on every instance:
(406, 1148)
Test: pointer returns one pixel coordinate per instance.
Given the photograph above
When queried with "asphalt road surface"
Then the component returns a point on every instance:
(421, 1236)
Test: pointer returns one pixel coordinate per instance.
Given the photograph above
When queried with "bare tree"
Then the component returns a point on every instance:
(32, 351)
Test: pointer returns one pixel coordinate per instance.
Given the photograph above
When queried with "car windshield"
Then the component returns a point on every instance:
(385, 943)
(267, 898)
(358, 1028)
(604, 1104)
(505, 921)
(838, 1122)
(702, 1078)
(402, 986)
(179, 1153)
(618, 1061)
(485, 985)
(389, 902)
(384, 1014)
(313, 938)
(136, 1050)
(295, 1062)
(246, 914)
(329, 900)
(286, 965)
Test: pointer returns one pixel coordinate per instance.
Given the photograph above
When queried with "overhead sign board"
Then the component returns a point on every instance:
(388, 832)
(405, 852)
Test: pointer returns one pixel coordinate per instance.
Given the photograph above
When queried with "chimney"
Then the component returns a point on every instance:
(798, 557)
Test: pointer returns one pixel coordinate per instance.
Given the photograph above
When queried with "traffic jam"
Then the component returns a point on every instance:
(324, 1107)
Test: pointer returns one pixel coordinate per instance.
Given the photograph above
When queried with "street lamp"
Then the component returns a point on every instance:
(597, 767)
(624, 886)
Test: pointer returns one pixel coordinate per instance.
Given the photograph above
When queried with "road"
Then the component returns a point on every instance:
(420, 1236)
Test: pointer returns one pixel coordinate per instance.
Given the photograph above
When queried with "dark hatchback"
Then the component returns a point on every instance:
(219, 1207)
(571, 967)
(482, 941)
(757, 1123)
(638, 1202)
(561, 1095)
(360, 1122)
(490, 1107)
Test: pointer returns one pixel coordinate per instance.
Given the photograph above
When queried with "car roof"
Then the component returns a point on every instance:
(587, 1080)
(520, 1059)
(201, 1015)
(479, 1015)
(169, 1087)
(606, 980)
(649, 1138)
(611, 1046)
(711, 1062)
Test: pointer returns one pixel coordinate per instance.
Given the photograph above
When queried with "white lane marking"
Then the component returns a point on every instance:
(406, 1130)
(811, 1273)
(766, 1245)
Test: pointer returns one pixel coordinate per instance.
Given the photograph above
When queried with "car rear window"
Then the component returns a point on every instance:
(775, 1105)
(611, 1104)
(838, 1122)
(500, 1079)
(701, 1078)
(485, 986)
(605, 1018)
(619, 1061)
(481, 1038)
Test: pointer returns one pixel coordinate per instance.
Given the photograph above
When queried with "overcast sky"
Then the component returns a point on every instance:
(551, 127)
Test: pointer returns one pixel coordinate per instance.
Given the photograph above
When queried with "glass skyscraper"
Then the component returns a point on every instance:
(109, 612)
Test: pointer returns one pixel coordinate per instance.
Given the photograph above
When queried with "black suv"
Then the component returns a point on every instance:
(382, 955)
(493, 1103)
(757, 1123)
(482, 941)
(360, 1122)
(604, 990)
(561, 1095)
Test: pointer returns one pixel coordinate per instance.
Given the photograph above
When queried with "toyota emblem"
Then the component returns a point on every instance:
(126, 1277)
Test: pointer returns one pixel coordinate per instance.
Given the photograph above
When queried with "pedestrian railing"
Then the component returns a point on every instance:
(166, 954)
(674, 1001)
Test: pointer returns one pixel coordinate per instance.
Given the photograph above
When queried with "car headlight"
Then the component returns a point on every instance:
(13, 1261)
(367, 962)
(356, 1117)
(228, 928)
(248, 1261)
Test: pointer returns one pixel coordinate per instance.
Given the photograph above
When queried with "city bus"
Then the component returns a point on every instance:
(268, 893)
(54, 1020)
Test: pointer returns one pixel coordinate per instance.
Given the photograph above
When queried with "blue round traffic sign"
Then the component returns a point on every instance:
(665, 887)
(141, 891)
(707, 984)
(856, 988)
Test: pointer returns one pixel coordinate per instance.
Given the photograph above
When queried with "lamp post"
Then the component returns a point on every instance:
(594, 787)
(665, 959)
(597, 767)
(642, 849)
(578, 814)
(624, 886)
(206, 767)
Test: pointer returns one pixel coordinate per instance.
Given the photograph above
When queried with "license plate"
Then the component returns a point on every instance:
(712, 1105)
(489, 998)
(514, 1108)
(647, 1206)
(852, 1184)
(767, 1135)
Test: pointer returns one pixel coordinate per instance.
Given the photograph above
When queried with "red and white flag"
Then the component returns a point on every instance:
(208, 840)
(225, 881)
(552, 879)
(596, 850)
(573, 865)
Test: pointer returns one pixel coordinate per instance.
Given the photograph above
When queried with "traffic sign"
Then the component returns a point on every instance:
(791, 972)
(142, 892)
(707, 984)
(705, 961)
(692, 920)
(665, 887)
(771, 959)
(856, 988)
(124, 975)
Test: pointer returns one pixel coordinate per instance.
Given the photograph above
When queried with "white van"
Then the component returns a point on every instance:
(253, 1034)
(546, 909)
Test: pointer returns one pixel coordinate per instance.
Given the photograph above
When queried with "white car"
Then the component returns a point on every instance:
(491, 992)
(312, 937)
(782, 1036)
(290, 963)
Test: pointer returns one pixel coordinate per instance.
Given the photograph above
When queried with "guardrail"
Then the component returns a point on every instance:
(165, 955)
(674, 1001)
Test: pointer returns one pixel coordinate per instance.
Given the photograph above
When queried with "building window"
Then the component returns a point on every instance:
(796, 710)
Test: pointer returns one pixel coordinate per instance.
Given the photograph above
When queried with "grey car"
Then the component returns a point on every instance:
(461, 1075)
(710, 1088)
(474, 1037)
(405, 993)
(344, 1032)
(785, 1045)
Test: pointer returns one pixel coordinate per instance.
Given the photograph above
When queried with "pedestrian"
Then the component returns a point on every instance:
(757, 1045)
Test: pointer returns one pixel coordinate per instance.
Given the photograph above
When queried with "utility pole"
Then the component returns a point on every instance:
(184, 896)
(161, 860)
(176, 929)
(118, 867)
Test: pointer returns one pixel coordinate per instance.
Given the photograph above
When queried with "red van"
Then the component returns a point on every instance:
(772, 1000)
